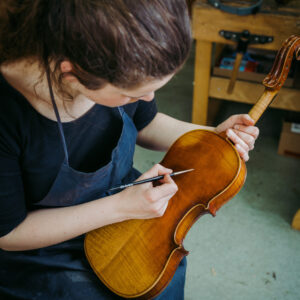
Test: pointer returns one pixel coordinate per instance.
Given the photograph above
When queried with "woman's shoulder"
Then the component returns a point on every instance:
(13, 104)
(142, 112)
(14, 114)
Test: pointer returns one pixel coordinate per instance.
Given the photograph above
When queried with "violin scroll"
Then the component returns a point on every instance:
(279, 72)
(277, 76)
(298, 53)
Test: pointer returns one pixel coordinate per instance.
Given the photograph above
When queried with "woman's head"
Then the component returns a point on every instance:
(121, 42)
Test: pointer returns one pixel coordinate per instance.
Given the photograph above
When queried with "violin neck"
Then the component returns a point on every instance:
(262, 104)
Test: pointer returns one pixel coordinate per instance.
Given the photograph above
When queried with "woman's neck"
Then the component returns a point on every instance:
(27, 78)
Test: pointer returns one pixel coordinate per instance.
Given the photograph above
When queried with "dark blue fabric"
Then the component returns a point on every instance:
(31, 153)
(63, 270)
(74, 187)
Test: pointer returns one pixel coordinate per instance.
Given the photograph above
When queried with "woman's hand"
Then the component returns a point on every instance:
(240, 130)
(145, 201)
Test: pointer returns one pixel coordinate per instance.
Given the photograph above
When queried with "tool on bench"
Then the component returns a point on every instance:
(241, 8)
(243, 39)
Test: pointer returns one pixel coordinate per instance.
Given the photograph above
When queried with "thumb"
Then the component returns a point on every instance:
(242, 119)
(245, 119)
(155, 171)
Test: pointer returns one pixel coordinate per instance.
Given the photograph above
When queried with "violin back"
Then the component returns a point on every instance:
(138, 258)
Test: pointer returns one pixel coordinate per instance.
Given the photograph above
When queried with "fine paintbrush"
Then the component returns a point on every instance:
(148, 180)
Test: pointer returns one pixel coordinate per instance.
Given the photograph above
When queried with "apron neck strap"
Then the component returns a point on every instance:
(121, 110)
(60, 128)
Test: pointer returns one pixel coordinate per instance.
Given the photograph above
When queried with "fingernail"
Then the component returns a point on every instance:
(236, 127)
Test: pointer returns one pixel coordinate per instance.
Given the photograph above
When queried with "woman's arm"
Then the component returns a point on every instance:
(51, 226)
(163, 131)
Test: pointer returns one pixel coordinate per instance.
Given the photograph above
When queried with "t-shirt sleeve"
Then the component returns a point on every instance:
(144, 114)
(12, 202)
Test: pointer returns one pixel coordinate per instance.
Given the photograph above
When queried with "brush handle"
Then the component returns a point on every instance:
(152, 179)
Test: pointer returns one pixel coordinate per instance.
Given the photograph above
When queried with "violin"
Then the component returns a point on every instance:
(138, 258)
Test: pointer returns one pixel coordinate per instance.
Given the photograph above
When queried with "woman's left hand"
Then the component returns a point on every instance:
(241, 131)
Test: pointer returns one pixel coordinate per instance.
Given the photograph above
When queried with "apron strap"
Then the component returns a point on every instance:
(60, 128)
(121, 110)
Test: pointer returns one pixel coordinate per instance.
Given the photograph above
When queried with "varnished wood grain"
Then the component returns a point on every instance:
(296, 220)
(138, 258)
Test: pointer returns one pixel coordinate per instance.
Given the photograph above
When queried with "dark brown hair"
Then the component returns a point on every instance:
(122, 42)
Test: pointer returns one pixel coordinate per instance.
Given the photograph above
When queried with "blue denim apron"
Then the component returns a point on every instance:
(61, 271)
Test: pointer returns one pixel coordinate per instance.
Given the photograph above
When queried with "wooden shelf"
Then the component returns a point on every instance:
(248, 76)
(208, 21)
(249, 92)
(206, 24)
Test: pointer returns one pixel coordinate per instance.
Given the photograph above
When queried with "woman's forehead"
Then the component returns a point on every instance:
(148, 86)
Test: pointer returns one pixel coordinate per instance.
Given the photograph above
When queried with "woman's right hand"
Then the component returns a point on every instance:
(146, 201)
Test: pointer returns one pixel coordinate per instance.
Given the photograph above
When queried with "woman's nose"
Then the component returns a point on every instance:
(148, 97)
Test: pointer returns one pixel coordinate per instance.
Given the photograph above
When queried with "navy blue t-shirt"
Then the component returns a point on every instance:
(31, 151)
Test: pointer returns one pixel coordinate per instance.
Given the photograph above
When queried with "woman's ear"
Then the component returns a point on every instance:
(66, 68)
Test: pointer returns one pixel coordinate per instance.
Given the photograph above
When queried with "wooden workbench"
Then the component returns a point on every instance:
(206, 24)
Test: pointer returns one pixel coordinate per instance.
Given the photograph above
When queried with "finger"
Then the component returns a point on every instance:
(234, 120)
(242, 152)
(160, 207)
(245, 119)
(252, 130)
(236, 139)
(165, 203)
(241, 119)
(247, 138)
(162, 204)
(168, 179)
(167, 189)
(155, 171)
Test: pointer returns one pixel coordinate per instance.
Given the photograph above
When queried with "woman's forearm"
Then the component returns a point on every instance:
(163, 131)
(50, 226)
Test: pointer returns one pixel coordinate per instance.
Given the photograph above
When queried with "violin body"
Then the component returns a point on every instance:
(138, 258)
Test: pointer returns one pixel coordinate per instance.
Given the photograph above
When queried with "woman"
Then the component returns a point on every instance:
(77, 92)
